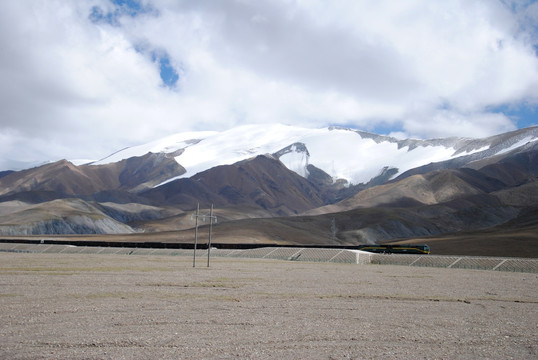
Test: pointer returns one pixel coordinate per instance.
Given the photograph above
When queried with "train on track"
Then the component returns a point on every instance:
(396, 249)
(385, 249)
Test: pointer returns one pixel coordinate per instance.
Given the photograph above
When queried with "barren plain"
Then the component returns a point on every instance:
(80, 306)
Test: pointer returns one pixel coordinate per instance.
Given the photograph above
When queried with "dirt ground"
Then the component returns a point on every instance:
(74, 306)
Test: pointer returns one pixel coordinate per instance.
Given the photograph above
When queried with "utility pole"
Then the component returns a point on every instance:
(196, 235)
(211, 218)
(210, 227)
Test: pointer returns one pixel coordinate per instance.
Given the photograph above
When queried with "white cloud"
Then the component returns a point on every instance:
(444, 123)
(73, 87)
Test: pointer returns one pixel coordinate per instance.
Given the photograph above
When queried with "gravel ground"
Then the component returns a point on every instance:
(75, 306)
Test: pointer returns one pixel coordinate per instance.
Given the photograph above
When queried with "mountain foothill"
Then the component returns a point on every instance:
(481, 199)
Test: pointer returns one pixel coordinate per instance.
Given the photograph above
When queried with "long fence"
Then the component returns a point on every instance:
(529, 265)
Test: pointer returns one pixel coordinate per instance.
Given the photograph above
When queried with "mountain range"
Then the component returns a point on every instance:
(290, 185)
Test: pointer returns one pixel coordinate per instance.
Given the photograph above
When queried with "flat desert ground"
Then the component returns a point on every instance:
(81, 306)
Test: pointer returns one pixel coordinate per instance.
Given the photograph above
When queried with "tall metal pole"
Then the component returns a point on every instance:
(210, 226)
(196, 235)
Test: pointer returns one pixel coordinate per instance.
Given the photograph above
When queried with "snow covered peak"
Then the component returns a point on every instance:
(169, 144)
(353, 155)
(342, 153)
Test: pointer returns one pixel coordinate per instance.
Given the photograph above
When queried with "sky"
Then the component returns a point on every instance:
(83, 79)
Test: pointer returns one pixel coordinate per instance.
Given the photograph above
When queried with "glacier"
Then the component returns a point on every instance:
(345, 154)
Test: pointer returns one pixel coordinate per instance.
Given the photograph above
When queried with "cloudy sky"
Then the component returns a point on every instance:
(82, 79)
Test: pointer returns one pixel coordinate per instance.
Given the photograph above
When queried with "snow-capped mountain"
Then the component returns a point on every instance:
(289, 184)
(351, 155)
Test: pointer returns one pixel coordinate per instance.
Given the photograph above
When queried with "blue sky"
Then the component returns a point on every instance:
(82, 79)
(132, 8)
(523, 114)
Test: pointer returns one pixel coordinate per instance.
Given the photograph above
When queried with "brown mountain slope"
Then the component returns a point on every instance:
(64, 178)
(431, 188)
(65, 216)
(432, 204)
(476, 214)
(135, 174)
(262, 182)
(512, 168)
(522, 195)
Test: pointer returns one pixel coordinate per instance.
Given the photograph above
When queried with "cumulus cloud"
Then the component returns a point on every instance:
(83, 79)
